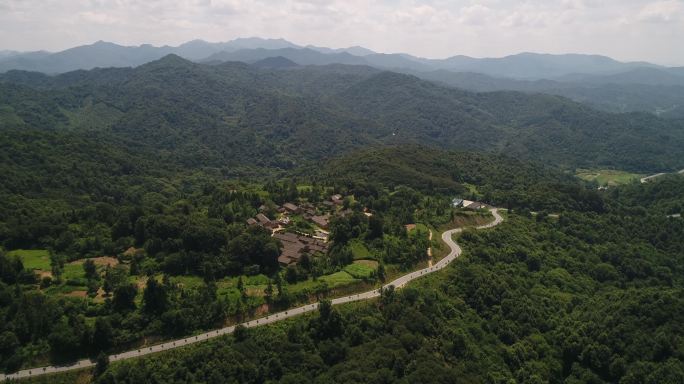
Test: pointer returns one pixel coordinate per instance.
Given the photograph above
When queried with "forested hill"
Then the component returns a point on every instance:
(231, 115)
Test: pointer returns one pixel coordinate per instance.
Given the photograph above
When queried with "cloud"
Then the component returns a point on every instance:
(625, 29)
(476, 14)
(662, 12)
(98, 18)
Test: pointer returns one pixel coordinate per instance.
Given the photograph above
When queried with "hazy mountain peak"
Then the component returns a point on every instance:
(277, 62)
(170, 60)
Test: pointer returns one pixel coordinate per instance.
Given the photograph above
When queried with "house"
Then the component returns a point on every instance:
(251, 221)
(263, 220)
(345, 213)
(456, 202)
(337, 199)
(295, 246)
(321, 221)
(475, 206)
(308, 206)
(291, 208)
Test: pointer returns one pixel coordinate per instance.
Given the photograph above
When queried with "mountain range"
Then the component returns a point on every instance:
(598, 81)
(275, 114)
(104, 54)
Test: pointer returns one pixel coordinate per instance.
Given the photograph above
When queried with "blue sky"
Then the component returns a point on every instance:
(624, 29)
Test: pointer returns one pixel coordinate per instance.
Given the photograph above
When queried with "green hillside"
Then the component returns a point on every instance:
(232, 114)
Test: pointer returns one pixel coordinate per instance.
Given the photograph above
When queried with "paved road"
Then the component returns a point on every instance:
(647, 178)
(398, 283)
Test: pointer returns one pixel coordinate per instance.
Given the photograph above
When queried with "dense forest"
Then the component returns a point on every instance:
(241, 119)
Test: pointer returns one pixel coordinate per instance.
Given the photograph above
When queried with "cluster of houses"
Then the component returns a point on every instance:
(296, 245)
(468, 204)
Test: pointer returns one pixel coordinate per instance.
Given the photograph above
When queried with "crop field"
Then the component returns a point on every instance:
(33, 258)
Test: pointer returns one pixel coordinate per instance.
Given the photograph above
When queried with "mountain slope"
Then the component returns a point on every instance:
(607, 93)
(236, 115)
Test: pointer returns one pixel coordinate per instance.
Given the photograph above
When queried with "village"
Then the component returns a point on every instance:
(303, 229)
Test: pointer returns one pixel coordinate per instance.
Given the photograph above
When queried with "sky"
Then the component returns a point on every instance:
(627, 30)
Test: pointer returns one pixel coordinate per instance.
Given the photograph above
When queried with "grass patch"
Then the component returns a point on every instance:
(338, 279)
(359, 250)
(359, 271)
(472, 189)
(73, 271)
(420, 227)
(33, 258)
(607, 177)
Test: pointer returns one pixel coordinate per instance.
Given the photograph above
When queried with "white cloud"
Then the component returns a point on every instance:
(98, 18)
(625, 29)
(662, 12)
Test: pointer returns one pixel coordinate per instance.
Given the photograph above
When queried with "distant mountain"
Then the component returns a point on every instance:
(277, 62)
(103, 54)
(303, 56)
(99, 54)
(355, 50)
(522, 66)
(642, 89)
(236, 115)
(598, 81)
(641, 75)
(7, 53)
(537, 66)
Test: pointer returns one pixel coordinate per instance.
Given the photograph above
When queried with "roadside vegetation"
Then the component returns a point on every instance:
(536, 300)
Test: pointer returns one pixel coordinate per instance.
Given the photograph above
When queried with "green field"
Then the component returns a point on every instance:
(33, 258)
(73, 271)
(359, 270)
(607, 177)
(420, 227)
(359, 250)
(338, 279)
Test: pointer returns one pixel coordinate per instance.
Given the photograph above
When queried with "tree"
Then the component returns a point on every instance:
(101, 364)
(90, 270)
(279, 284)
(329, 322)
(57, 266)
(241, 288)
(155, 297)
(381, 272)
(124, 298)
(102, 334)
(375, 227)
(240, 332)
(64, 342)
(268, 292)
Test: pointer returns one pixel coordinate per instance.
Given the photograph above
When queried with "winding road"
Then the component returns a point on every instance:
(397, 283)
(648, 178)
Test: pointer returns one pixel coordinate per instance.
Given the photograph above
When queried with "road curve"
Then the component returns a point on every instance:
(651, 177)
(397, 283)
